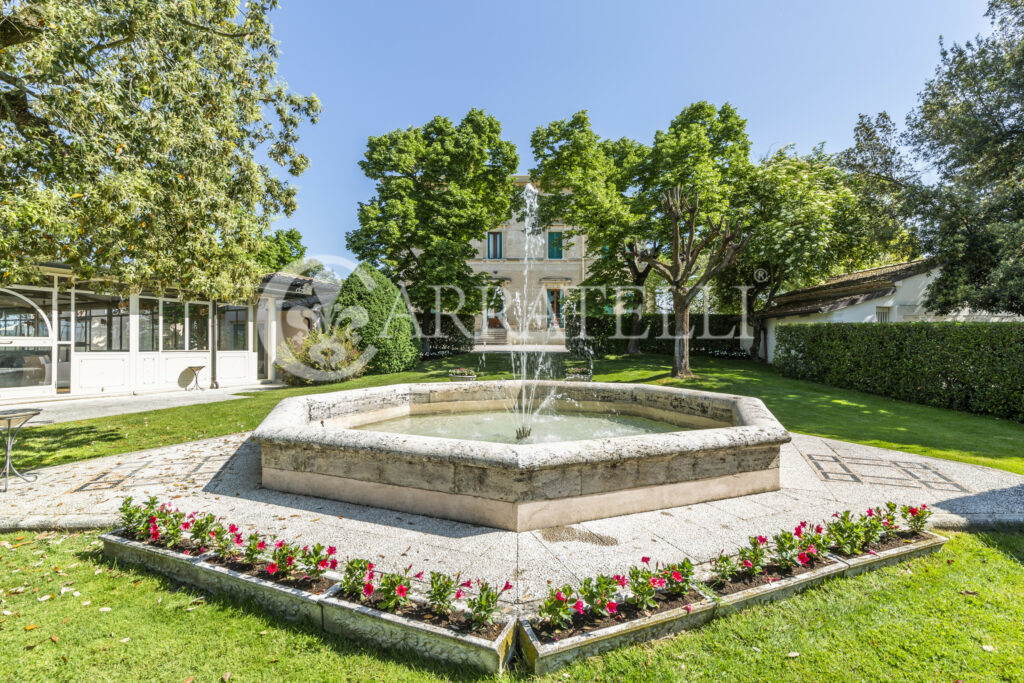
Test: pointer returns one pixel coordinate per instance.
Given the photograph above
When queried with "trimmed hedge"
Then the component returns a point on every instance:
(367, 293)
(600, 329)
(973, 367)
(451, 339)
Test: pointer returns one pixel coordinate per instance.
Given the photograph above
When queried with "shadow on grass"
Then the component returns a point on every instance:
(1008, 540)
(46, 446)
(339, 644)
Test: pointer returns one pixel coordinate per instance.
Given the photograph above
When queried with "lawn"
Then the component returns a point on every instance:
(955, 615)
(802, 406)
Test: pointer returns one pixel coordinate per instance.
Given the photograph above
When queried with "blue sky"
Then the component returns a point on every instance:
(799, 72)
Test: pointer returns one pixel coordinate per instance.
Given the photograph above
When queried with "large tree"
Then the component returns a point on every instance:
(131, 139)
(590, 184)
(438, 187)
(969, 128)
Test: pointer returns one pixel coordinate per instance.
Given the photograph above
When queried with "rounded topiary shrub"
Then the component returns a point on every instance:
(320, 357)
(371, 307)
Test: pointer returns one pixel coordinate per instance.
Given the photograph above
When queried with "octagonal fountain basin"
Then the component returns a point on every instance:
(450, 450)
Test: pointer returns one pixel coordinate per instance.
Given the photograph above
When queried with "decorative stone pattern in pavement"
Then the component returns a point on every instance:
(223, 475)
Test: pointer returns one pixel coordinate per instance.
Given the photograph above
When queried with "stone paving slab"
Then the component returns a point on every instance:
(222, 475)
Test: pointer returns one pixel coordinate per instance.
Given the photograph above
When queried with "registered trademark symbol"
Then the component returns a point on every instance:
(761, 275)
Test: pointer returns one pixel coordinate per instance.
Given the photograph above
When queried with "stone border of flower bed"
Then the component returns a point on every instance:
(543, 658)
(327, 611)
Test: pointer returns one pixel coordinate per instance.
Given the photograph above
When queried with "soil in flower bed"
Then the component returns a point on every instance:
(771, 574)
(456, 621)
(259, 570)
(901, 539)
(585, 623)
(185, 546)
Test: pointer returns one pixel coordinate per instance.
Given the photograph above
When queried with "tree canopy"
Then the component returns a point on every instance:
(133, 138)
(438, 187)
(281, 248)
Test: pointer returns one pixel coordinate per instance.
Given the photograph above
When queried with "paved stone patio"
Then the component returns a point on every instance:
(819, 477)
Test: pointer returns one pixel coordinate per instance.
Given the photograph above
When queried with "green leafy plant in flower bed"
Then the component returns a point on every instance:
(555, 608)
(462, 372)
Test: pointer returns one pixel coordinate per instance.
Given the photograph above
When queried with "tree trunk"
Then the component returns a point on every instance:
(755, 346)
(681, 358)
(635, 325)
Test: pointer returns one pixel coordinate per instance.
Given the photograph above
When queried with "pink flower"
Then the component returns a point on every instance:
(370, 566)
(811, 550)
(459, 594)
(621, 580)
(185, 552)
(279, 544)
(578, 606)
(334, 563)
(762, 540)
(506, 587)
(769, 579)
(645, 560)
(677, 577)
(871, 512)
(262, 545)
(202, 549)
(323, 564)
(401, 590)
(368, 589)
(923, 506)
(418, 575)
(238, 539)
(232, 529)
(612, 606)
(152, 519)
(818, 529)
(466, 584)
(835, 514)
(331, 550)
(272, 568)
(689, 608)
(872, 552)
(213, 534)
(803, 559)
(748, 564)
(185, 526)
(154, 533)
(559, 596)
(289, 560)
(305, 548)
(799, 532)
(913, 512)
(657, 582)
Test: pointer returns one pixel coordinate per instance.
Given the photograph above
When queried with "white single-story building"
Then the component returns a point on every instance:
(887, 294)
(57, 337)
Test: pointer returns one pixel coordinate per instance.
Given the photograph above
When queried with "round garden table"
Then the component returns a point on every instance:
(11, 421)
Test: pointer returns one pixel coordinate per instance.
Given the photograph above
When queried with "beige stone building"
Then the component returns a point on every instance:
(535, 272)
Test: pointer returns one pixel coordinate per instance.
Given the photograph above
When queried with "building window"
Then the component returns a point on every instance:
(554, 245)
(232, 328)
(174, 326)
(25, 367)
(882, 314)
(554, 308)
(101, 323)
(198, 327)
(149, 325)
(494, 245)
(20, 318)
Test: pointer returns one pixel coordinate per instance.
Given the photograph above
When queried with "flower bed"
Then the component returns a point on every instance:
(458, 620)
(462, 375)
(578, 374)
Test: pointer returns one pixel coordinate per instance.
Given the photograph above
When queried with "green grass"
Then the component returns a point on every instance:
(802, 406)
(927, 620)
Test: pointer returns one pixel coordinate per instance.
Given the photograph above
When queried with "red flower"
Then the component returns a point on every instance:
(305, 548)
(272, 568)
(677, 577)
(238, 539)
(799, 532)
(506, 587)
(334, 563)
(645, 560)
(185, 552)
(871, 512)
(657, 582)
(331, 550)
(578, 606)
(466, 584)
(370, 566)
(289, 560)
(621, 580)
(152, 519)
(202, 549)
(913, 512)
(232, 529)
(811, 550)
(612, 606)
(559, 596)
(835, 514)
(323, 564)
(368, 589)
(458, 594)
(401, 590)
(748, 564)
(185, 526)
(279, 544)
(154, 533)
(923, 506)
(762, 540)
(818, 529)
(803, 559)
(418, 575)
(689, 608)
(262, 545)
(213, 534)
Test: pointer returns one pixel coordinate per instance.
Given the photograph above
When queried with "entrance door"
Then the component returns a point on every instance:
(262, 364)
(64, 329)
(496, 310)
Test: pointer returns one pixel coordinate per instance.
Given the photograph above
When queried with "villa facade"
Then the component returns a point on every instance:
(530, 301)
(58, 337)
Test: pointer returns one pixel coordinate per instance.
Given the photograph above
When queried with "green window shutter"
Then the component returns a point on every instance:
(554, 245)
